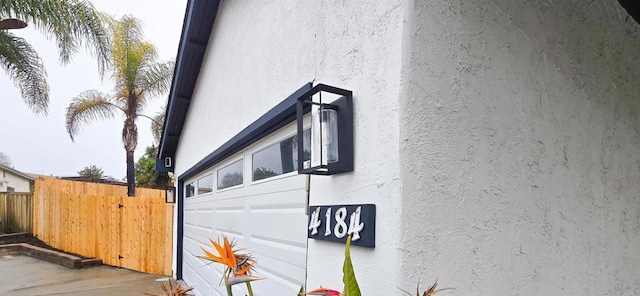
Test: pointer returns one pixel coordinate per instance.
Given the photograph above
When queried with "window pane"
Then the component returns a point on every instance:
(306, 145)
(205, 184)
(279, 158)
(190, 190)
(230, 175)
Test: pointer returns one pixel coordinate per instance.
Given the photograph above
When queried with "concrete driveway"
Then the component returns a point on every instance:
(22, 275)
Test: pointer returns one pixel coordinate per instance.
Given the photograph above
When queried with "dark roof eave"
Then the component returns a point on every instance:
(198, 23)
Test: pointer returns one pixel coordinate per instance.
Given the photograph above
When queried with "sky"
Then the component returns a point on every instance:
(40, 145)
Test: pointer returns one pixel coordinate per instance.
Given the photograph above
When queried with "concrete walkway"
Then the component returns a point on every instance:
(22, 275)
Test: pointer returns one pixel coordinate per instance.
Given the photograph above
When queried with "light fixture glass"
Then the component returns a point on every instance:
(324, 131)
(170, 195)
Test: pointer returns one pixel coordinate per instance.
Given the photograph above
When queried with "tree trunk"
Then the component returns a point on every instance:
(131, 176)
(130, 140)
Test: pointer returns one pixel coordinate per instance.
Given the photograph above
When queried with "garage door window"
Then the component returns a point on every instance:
(230, 175)
(279, 158)
(190, 189)
(205, 184)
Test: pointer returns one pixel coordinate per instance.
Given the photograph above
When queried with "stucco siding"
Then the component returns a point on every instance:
(519, 147)
(262, 51)
(18, 183)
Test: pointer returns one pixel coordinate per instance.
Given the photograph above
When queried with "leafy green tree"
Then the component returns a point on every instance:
(91, 172)
(72, 23)
(146, 175)
(138, 78)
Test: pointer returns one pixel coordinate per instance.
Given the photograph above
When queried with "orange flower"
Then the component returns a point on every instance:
(237, 266)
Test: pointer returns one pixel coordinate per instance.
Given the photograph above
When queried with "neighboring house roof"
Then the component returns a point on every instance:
(198, 23)
(36, 176)
(196, 30)
(16, 172)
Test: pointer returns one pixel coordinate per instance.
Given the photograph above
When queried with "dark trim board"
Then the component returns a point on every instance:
(279, 116)
(180, 234)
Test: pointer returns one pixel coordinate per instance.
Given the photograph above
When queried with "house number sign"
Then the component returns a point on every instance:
(336, 222)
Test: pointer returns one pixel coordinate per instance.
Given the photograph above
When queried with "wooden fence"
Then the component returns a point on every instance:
(99, 220)
(15, 212)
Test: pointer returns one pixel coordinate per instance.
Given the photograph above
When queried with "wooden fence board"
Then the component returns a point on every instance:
(16, 212)
(99, 220)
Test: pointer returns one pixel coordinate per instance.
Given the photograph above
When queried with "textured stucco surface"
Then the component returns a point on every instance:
(520, 147)
(499, 139)
(262, 51)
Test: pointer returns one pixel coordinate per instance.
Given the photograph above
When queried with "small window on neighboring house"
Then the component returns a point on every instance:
(230, 175)
(10, 189)
(205, 184)
(190, 190)
(279, 158)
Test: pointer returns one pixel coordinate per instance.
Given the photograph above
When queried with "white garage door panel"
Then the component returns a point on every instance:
(204, 219)
(190, 217)
(266, 217)
(194, 278)
(194, 242)
(272, 268)
(278, 251)
(275, 283)
(279, 200)
(279, 226)
(230, 221)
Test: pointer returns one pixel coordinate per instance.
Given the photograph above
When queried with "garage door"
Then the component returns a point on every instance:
(257, 198)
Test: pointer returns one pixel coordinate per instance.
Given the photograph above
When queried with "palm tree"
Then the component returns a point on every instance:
(72, 23)
(137, 76)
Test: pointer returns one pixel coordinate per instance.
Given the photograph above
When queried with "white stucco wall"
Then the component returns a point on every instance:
(519, 147)
(19, 183)
(262, 51)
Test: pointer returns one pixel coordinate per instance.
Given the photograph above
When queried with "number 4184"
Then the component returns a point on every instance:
(340, 229)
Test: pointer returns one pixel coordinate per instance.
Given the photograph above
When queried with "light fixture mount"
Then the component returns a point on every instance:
(328, 150)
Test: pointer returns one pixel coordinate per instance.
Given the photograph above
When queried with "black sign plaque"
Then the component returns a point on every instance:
(336, 222)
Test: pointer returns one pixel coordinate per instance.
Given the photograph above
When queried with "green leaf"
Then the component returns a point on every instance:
(351, 287)
(301, 292)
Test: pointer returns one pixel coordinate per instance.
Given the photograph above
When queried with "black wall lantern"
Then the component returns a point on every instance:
(170, 195)
(328, 148)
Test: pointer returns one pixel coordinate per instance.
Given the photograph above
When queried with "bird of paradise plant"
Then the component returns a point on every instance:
(351, 287)
(429, 292)
(238, 266)
(173, 290)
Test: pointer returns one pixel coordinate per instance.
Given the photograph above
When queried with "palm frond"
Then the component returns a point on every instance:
(72, 23)
(156, 126)
(25, 68)
(87, 107)
(130, 52)
(154, 80)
